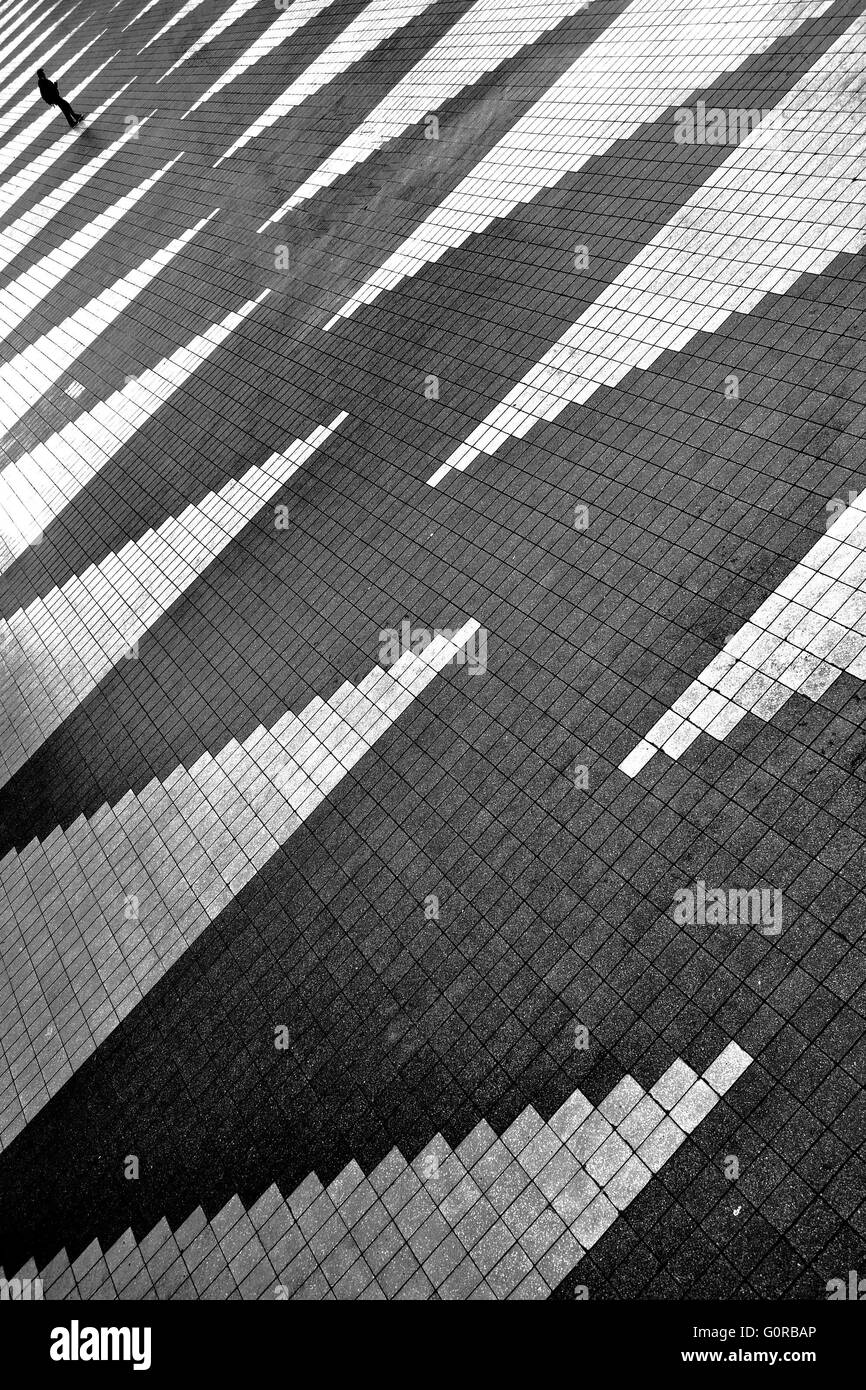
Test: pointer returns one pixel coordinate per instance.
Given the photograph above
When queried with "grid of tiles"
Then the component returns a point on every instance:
(377, 22)
(557, 900)
(16, 184)
(800, 640)
(15, 80)
(28, 375)
(713, 258)
(101, 912)
(477, 44)
(24, 138)
(647, 62)
(496, 1218)
(58, 649)
(36, 488)
(17, 234)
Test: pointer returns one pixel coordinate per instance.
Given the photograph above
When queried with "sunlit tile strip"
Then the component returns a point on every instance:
(499, 1217)
(9, 36)
(27, 78)
(781, 206)
(149, 6)
(15, 187)
(58, 649)
(25, 378)
(373, 26)
(180, 851)
(17, 236)
(6, 13)
(300, 13)
(15, 147)
(22, 295)
(620, 83)
(231, 15)
(802, 638)
(170, 23)
(16, 59)
(36, 489)
(476, 45)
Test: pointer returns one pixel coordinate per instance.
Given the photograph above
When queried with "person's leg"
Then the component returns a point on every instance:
(68, 112)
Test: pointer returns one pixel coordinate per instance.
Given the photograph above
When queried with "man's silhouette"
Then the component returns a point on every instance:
(49, 92)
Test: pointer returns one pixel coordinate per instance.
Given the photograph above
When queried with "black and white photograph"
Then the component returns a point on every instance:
(432, 668)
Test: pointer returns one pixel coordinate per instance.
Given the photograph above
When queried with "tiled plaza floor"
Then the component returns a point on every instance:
(432, 649)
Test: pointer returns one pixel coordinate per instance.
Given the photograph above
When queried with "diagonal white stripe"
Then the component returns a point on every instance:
(644, 64)
(28, 77)
(10, 8)
(802, 638)
(373, 26)
(474, 46)
(300, 13)
(232, 14)
(149, 6)
(37, 488)
(27, 376)
(31, 286)
(221, 820)
(548, 1190)
(16, 60)
(9, 31)
(775, 210)
(57, 650)
(170, 23)
(17, 236)
(20, 142)
(15, 187)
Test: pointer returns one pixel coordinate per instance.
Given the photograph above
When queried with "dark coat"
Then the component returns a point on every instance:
(48, 91)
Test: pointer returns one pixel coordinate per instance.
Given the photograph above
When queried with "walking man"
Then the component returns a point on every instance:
(49, 92)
